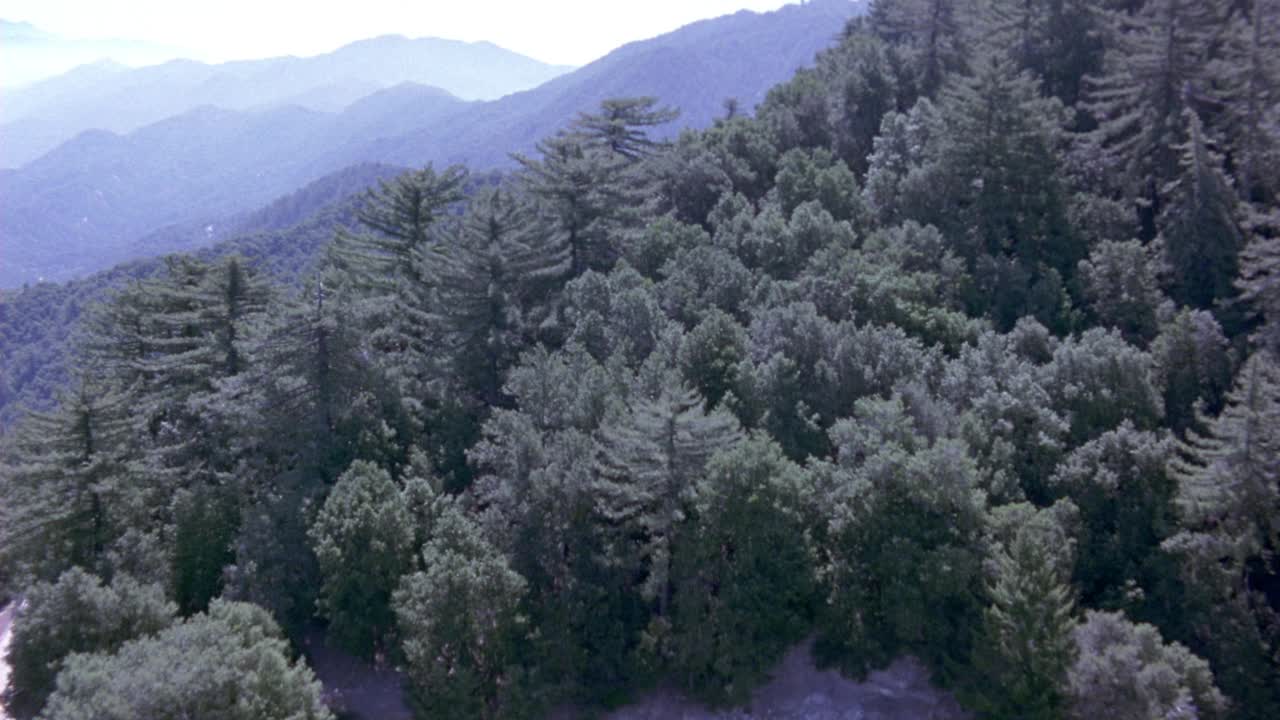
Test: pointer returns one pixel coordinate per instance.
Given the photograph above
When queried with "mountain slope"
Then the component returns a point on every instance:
(84, 206)
(37, 118)
(694, 69)
(74, 210)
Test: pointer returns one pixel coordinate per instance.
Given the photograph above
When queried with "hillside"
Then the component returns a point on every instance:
(36, 119)
(935, 371)
(83, 206)
(38, 323)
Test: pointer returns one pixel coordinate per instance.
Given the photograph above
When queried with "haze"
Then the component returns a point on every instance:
(569, 32)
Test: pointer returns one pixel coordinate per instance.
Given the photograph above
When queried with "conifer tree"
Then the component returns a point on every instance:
(1249, 77)
(997, 188)
(1057, 40)
(621, 125)
(581, 186)
(460, 625)
(362, 539)
(494, 278)
(1027, 645)
(1153, 69)
(1199, 231)
(1259, 285)
(63, 484)
(934, 28)
(1229, 495)
(648, 464)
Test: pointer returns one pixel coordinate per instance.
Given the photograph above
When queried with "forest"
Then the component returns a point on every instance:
(964, 344)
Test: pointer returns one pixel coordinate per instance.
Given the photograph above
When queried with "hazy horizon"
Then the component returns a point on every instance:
(244, 30)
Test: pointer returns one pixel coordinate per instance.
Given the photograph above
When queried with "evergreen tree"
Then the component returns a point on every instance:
(390, 266)
(932, 28)
(1200, 234)
(743, 574)
(64, 485)
(460, 625)
(1152, 69)
(362, 539)
(1259, 284)
(1027, 645)
(622, 124)
(494, 277)
(648, 464)
(1057, 40)
(1249, 76)
(1229, 492)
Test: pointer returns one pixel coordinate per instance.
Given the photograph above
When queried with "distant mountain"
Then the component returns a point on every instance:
(283, 239)
(29, 54)
(36, 119)
(83, 206)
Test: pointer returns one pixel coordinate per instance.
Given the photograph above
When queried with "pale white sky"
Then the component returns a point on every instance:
(571, 32)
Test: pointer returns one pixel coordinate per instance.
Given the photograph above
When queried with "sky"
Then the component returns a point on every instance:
(567, 32)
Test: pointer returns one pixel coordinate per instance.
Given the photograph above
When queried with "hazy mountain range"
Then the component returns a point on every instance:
(31, 54)
(109, 96)
(103, 197)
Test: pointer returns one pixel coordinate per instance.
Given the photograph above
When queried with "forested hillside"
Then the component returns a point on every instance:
(962, 345)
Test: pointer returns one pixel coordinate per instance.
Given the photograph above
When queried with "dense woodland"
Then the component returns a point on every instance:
(963, 345)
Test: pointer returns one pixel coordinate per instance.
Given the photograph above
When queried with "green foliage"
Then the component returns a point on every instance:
(230, 662)
(743, 573)
(904, 554)
(1027, 644)
(76, 614)
(460, 625)
(1127, 508)
(362, 538)
(648, 465)
(1127, 670)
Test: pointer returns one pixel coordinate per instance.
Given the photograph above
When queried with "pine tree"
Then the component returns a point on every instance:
(1249, 76)
(494, 277)
(997, 188)
(63, 481)
(400, 215)
(1057, 40)
(1027, 646)
(1229, 477)
(1229, 495)
(934, 28)
(1155, 67)
(647, 467)
(390, 269)
(581, 185)
(621, 125)
(1259, 285)
(1199, 231)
